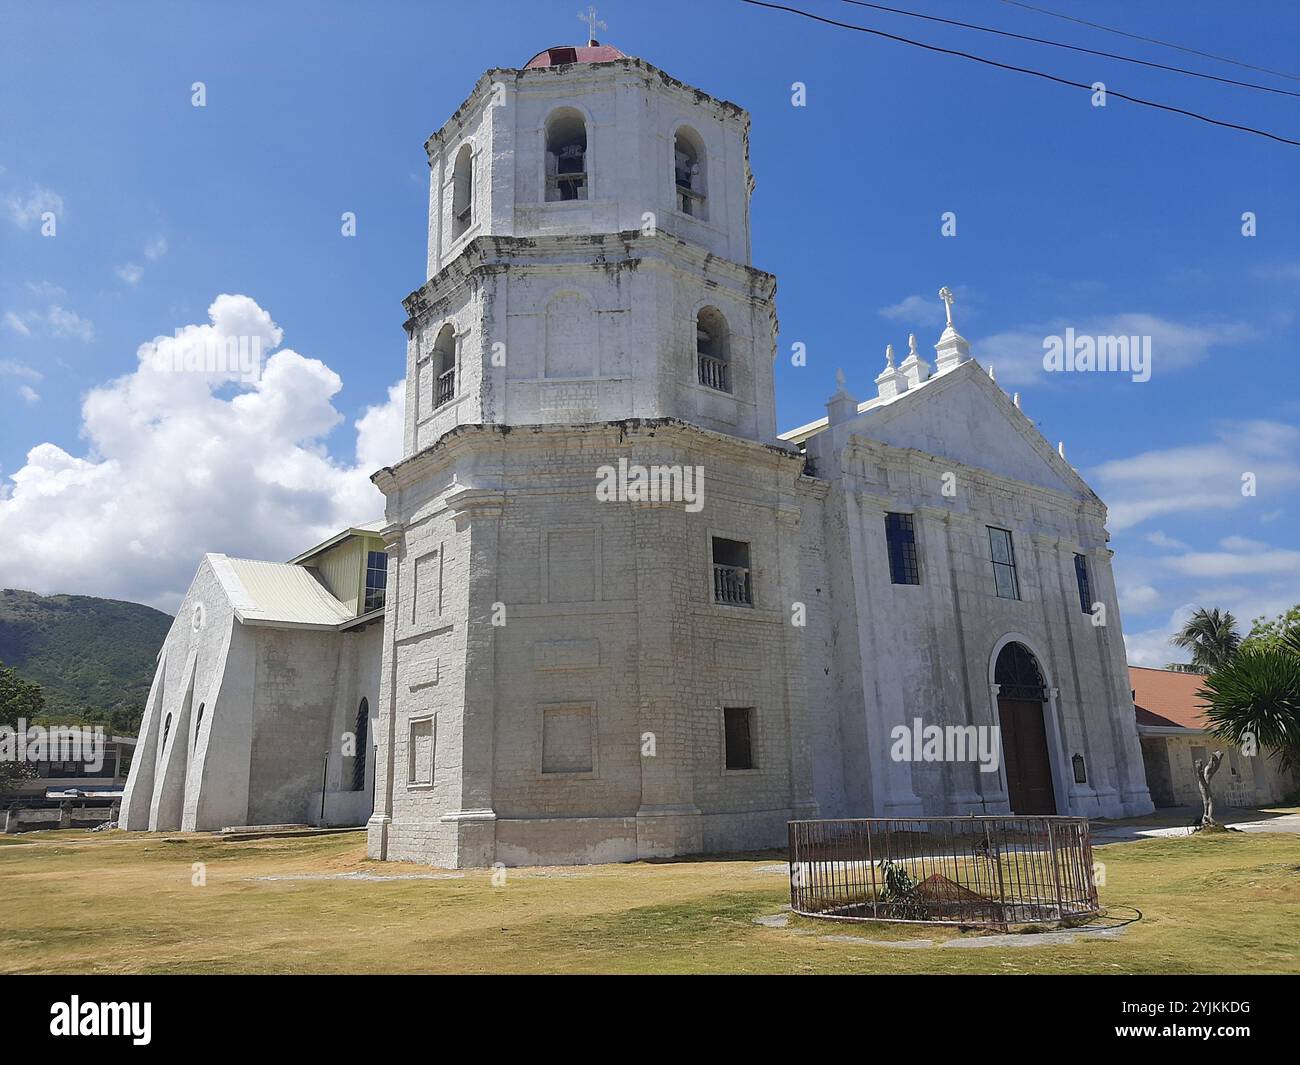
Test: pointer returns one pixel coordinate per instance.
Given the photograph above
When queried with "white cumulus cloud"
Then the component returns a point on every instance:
(1203, 477)
(183, 462)
(24, 210)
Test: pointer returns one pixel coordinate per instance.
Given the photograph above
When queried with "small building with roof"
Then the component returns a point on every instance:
(260, 709)
(1174, 733)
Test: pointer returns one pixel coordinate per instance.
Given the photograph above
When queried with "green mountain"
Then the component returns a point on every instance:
(95, 658)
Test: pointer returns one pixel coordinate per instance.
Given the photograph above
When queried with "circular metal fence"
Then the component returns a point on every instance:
(978, 871)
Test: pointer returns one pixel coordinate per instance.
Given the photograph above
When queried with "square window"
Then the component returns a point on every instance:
(738, 732)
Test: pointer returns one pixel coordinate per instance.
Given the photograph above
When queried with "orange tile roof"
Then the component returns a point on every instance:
(1167, 698)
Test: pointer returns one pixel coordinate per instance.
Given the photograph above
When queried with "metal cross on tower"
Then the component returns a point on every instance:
(593, 23)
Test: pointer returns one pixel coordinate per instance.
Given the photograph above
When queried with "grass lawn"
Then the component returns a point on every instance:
(116, 903)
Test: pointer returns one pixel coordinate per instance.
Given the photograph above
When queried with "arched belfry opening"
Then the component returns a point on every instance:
(462, 192)
(688, 173)
(1022, 695)
(566, 155)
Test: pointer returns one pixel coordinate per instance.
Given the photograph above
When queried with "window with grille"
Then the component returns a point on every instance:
(732, 582)
(900, 537)
(1085, 587)
(1003, 554)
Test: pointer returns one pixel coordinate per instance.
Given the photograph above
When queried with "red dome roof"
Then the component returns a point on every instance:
(560, 54)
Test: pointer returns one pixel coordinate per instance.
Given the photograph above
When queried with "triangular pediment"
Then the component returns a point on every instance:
(964, 416)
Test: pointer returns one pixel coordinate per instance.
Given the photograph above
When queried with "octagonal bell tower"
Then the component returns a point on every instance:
(589, 256)
(590, 308)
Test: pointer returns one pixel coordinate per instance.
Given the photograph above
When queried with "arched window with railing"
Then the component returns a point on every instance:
(444, 366)
(567, 177)
(713, 349)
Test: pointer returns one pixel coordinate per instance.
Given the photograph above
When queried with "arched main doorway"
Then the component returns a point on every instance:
(1021, 694)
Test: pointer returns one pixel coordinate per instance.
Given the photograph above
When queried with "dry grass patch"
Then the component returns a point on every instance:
(115, 903)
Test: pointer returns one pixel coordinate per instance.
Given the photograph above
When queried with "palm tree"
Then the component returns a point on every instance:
(1211, 636)
(1256, 693)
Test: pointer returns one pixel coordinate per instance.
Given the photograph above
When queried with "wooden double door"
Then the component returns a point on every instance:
(1024, 749)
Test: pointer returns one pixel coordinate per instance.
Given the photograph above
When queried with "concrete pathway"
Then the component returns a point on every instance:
(1178, 822)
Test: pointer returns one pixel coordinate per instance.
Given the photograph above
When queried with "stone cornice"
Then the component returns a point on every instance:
(629, 250)
(475, 438)
(624, 66)
(916, 461)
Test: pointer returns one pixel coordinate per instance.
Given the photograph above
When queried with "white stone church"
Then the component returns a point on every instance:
(514, 666)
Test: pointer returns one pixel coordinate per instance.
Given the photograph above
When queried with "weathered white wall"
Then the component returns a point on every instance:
(927, 650)
(632, 113)
(274, 700)
(608, 613)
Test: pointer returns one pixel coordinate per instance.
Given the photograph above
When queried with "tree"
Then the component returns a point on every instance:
(1269, 633)
(18, 698)
(12, 773)
(1211, 636)
(1205, 771)
(1253, 700)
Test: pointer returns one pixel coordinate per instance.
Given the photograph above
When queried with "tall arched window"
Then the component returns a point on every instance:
(712, 349)
(167, 728)
(462, 191)
(566, 155)
(688, 173)
(362, 733)
(444, 366)
(198, 726)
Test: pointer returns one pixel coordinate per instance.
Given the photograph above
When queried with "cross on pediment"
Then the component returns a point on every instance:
(946, 295)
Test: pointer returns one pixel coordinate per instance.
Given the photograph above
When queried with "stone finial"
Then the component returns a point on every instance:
(992, 375)
(915, 368)
(1060, 448)
(843, 405)
(891, 380)
(952, 348)
(1016, 400)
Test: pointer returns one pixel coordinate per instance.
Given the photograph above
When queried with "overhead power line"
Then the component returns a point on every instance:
(1024, 70)
(1154, 40)
(1074, 48)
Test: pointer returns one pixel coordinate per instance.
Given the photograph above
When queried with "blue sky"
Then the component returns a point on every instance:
(1107, 220)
